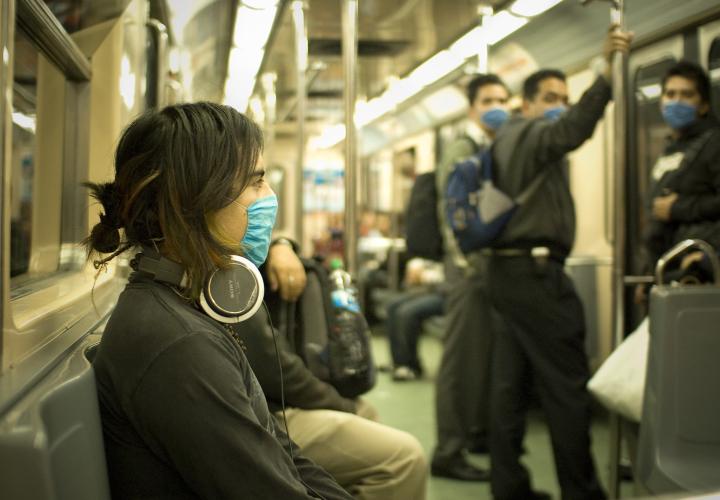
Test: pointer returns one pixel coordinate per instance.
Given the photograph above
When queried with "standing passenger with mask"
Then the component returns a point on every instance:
(544, 340)
(463, 390)
(684, 195)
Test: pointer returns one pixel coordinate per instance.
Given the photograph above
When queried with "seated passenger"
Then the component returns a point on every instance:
(369, 459)
(183, 415)
(406, 313)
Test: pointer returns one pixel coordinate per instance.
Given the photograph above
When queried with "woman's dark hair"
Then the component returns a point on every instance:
(173, 169)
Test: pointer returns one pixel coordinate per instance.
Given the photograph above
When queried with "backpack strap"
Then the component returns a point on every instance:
(697, 145)
(487, 172)
(529, 191)
(690, 154)
(475, 146)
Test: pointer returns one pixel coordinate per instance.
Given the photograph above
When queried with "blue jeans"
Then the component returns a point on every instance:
(405, 315)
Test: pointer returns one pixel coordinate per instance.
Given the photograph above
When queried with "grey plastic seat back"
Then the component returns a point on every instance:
(679, 448)
(51, 444)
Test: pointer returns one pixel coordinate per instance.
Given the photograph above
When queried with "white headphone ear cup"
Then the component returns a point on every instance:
(226, 296)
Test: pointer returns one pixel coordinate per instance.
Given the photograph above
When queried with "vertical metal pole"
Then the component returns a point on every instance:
(161, 40)
(619, 88)
(301, 57)
(485, 12)
(267, 82)
(349, 53)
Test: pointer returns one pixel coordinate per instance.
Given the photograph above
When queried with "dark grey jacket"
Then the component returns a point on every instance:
(183, 415)
(526, 148)
(301, 387)
(696, 212)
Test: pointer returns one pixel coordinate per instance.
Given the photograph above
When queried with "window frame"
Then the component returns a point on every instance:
(28, 327)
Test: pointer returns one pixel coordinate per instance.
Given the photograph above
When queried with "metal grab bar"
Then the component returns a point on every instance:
(681, 248)
(159, 30)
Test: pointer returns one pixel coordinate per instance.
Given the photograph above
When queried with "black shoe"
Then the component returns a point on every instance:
(461, 470)
(625, 472)
(478, 446)
(540, 495)
(531, 495)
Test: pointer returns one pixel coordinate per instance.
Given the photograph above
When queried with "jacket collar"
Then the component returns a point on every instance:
(695, 129)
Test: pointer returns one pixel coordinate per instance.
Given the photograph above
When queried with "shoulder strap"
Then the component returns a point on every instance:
(694, 150)
(475, 145)
(534, 185)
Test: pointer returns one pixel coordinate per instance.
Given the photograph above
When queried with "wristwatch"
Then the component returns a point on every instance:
(283, 241)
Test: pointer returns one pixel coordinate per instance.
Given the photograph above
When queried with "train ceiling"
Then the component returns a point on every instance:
(393, 38)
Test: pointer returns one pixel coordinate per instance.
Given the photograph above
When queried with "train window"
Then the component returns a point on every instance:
(47, 203)
(24, 156)
(714, 70)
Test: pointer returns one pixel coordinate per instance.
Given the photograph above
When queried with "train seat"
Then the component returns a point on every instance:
(435, 326)
(679, 448)
(51, 443)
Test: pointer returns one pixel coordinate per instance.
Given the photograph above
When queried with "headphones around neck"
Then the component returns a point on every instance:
(230, 295)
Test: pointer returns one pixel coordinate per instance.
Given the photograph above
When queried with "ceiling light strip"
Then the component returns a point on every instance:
(496, 28)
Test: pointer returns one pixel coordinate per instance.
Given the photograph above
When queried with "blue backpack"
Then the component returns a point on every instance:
(475, 209)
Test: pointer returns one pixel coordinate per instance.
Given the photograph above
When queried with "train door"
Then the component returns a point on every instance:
(647, 140)
(709, 41)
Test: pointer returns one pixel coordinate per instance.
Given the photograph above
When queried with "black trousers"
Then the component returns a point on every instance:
(544, 342)
(462, 387)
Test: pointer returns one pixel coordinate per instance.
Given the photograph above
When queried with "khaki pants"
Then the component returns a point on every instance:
(370, 460)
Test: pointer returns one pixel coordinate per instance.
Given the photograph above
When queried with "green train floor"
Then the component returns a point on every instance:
(410, 406)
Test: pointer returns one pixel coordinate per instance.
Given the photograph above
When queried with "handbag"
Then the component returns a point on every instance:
(619, 383)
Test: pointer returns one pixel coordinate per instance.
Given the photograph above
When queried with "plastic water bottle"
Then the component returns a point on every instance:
(351, 365)
(342, 291)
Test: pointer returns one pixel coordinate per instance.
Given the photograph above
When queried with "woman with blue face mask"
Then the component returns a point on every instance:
(183, 414)
(684, 193)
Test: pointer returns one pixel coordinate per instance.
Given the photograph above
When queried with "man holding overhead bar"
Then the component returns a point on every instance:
(526, 283)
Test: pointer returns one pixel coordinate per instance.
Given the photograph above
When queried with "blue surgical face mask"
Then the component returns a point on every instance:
(679, 114)
(261, 219)
(554, 113)
(494, 118)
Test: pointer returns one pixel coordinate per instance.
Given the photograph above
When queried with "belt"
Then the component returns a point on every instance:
(538, 253)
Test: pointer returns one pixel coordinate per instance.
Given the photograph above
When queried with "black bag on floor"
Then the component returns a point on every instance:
(332, 337)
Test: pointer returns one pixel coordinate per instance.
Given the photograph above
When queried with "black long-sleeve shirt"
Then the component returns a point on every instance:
(183, 414)
(524, 149)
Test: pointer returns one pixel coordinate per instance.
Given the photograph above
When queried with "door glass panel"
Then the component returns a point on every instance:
(76, 15)
(714, 70)
(651, 133)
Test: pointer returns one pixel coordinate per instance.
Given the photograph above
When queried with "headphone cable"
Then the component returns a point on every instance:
(282, 398)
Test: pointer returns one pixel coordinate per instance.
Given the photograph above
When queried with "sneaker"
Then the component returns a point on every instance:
(403, 373)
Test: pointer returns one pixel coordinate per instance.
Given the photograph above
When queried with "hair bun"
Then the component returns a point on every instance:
(105, 237)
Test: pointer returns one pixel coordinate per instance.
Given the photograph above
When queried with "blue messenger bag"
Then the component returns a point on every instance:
(476, 210)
